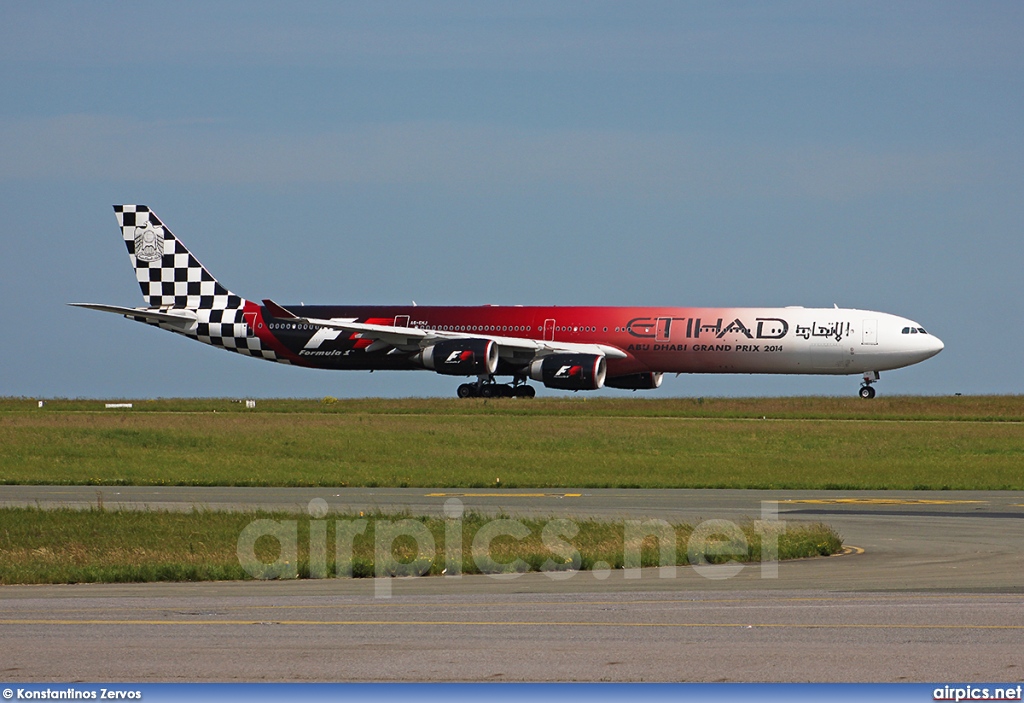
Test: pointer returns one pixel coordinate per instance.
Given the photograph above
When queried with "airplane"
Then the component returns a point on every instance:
(566, 348)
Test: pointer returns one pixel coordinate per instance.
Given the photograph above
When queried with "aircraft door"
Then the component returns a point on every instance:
(549, 330)
(664, 329)
(401, 320)
(250, 323)
(870, 335)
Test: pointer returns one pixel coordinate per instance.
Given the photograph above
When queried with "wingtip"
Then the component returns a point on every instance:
(277, 311)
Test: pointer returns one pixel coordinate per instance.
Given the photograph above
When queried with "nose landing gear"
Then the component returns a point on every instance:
(866, 391)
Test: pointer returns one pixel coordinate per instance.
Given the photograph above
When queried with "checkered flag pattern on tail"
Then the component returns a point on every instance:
(171, 277)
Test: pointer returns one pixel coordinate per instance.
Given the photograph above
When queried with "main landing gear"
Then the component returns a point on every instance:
(866, 391)
(487, 388)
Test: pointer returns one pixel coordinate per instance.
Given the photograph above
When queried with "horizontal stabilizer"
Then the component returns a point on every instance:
(180, 317)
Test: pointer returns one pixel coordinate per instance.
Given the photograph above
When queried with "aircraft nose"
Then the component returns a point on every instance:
(933, 345)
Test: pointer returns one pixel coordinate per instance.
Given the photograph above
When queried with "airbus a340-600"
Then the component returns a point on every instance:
(568, 348)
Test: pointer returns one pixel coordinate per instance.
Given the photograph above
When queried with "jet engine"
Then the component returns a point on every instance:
(462, 357)
(569, 372)
(636, 381)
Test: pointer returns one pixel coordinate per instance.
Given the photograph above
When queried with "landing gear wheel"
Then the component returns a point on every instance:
(524, 392)
(867, 392)
(466, 390)
(489, 390)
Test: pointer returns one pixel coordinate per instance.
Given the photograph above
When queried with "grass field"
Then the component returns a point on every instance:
(800, 443)
(1005, 408)
(73, 546)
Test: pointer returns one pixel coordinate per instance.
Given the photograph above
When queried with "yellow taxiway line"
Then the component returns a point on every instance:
(503, 495)
(879, 501)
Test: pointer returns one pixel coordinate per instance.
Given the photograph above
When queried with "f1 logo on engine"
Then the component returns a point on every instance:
(568, 371)
(458, 356)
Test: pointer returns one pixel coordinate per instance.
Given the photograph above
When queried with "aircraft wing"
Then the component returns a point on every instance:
(172, 316)
(413, 338)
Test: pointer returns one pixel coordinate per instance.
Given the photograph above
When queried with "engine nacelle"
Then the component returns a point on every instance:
(569, 372)
(636, 381)
(462, 357)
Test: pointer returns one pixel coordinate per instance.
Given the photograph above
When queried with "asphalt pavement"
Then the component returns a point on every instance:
(931, 589)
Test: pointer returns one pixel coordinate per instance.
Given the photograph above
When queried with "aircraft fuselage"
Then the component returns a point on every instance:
(662, 339)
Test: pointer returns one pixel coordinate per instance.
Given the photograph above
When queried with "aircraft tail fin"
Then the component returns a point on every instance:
(169, 275)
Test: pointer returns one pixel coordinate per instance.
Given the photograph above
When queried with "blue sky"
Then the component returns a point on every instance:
(676, 153)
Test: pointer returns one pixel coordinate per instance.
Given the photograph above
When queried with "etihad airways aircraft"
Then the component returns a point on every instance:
(568, 348)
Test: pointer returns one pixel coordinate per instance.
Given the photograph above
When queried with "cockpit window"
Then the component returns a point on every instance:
(921, 330)
(906, 330)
